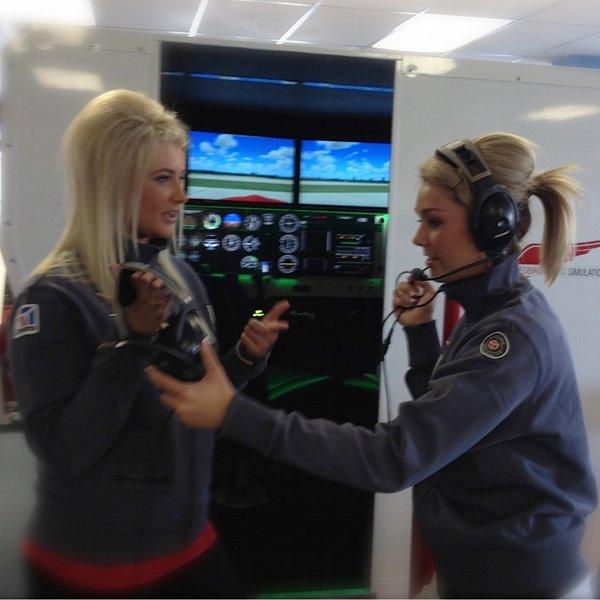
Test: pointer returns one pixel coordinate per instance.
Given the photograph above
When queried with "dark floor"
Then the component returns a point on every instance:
(17, 474)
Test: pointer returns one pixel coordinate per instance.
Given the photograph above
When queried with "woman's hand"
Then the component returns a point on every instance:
(259, 336)
(200, 404)
(152, 305)
(410, 293)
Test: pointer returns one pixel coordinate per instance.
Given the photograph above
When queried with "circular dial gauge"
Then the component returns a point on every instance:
(211, 221)
(287, 263)
(211, 242)
(288, 243)
(232, 221)
(249, 263)
(289, 223)
(194, 241)
(231, 242)
(251, 243)
(252, 222)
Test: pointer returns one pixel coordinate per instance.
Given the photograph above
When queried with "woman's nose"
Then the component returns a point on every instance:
(179, 194)
(419, 237)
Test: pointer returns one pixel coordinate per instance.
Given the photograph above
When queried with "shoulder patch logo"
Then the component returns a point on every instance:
(27, 320)
(495, 345)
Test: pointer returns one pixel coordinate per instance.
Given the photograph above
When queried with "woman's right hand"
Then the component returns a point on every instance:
(151, 307)
(198, 404)
(409, 293)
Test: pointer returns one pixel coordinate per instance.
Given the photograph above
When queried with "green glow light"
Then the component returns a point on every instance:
(372, 376)
(286, 282)
(278, 390)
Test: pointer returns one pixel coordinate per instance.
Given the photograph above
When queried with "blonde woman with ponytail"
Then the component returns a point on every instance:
(123, 491)
(494, 441)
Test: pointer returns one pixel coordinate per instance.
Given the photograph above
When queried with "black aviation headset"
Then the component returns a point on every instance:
(495, 216)
(176, 345)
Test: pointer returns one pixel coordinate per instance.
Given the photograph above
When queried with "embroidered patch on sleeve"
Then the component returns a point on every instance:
(495, 345)
(27, 320)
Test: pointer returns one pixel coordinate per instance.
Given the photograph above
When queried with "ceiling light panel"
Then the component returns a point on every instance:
(250, 20)
(506, 9)
(146, 14)
(524, 38)
(330, 26)
(438, 33)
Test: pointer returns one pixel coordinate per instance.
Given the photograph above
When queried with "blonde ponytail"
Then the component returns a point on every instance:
(555, 188)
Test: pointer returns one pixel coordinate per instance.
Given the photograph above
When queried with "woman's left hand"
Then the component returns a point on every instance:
(259, 336)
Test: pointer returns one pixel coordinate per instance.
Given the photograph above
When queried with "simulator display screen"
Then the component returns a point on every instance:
(336, 173)
(278, 241)
(240, 168)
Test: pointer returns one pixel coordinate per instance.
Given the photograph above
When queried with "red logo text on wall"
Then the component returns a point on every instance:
(529, 260)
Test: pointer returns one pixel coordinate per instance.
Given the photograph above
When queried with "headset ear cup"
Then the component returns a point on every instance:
(494, 220)
(175, 349)
(177, 346)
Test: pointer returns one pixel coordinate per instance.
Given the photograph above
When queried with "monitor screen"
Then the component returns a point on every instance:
(240, 168)
(337, 173)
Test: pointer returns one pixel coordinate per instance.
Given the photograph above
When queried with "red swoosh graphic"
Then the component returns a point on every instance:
(530, 255)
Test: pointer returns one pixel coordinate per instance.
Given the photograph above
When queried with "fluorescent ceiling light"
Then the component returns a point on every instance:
(564, 112)
(68, 80)
(438, 33)
(297, 24)
(65, 12)
(198, 17)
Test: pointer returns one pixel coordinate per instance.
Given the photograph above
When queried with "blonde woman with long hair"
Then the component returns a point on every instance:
(494, 441)
(123, 491)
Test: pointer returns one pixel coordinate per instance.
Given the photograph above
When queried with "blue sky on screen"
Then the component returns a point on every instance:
(346, 161)
(241, 154)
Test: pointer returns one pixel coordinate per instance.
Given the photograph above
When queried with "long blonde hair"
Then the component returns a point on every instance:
(109, 149)
(511, 160)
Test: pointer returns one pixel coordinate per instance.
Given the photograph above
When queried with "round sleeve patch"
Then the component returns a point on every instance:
(495, 345)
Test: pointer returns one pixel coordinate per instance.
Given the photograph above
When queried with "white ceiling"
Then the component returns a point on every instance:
(542, 30)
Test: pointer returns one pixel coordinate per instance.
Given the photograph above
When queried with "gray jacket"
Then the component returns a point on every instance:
(494, 443)
(119, 480)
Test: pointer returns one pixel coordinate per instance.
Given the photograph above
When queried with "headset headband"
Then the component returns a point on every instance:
(466, 157)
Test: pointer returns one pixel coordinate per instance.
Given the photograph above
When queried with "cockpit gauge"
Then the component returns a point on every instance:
(211, 221)
(289, 223)
(231, 242)
(251, 243)
(288, 243)
(252, 222)
(287, 264)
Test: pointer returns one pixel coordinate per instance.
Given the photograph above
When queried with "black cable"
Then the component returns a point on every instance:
(387, 341)
(388, 338)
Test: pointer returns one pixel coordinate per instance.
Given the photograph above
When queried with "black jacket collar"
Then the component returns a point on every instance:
(146, 253)
(480, 294)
